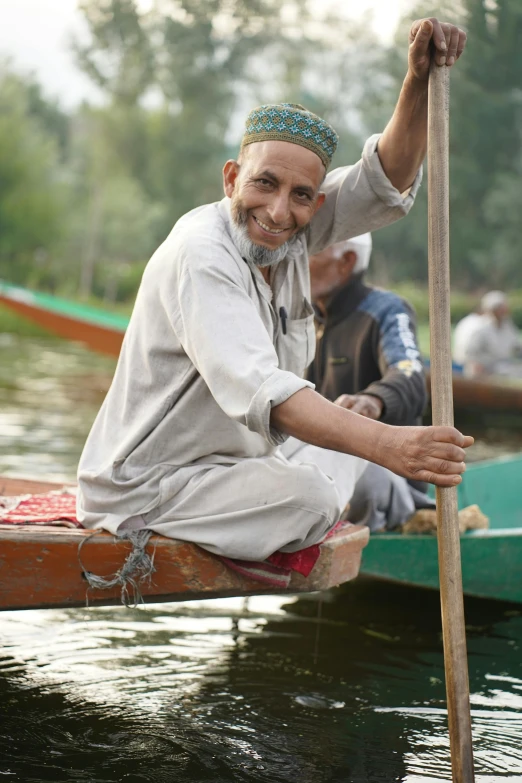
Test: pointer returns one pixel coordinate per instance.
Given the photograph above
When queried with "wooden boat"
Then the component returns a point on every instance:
(40, 567)
(491, 559)
(488, 403)
(492, 402)
(95, 328)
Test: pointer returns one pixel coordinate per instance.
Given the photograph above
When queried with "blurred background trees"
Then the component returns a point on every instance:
(485, 152)
(86, 196)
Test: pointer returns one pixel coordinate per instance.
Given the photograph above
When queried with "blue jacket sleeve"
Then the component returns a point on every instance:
(402, 387)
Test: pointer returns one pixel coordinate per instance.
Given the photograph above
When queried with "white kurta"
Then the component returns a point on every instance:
(183, 442)
(464, 331)
(495, 348)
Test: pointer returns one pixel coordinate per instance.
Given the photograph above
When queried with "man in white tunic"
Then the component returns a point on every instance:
(495, 348)
(465, 329)
(191, 441)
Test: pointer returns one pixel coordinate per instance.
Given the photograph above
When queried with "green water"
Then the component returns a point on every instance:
(50, 391)
(275, 689)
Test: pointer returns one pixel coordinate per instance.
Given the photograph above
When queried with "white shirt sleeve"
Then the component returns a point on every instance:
(359, 198)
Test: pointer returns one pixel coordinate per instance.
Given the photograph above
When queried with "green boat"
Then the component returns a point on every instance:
(491, 559)
(98, 329)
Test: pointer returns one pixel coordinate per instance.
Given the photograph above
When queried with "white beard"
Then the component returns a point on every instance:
(257, 254)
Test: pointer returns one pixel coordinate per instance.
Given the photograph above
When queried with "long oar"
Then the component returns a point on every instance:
(452, 603)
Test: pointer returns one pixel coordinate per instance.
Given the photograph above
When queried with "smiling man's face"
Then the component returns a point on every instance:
(275, 192)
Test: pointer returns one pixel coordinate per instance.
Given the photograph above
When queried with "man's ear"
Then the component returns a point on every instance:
(230, 175)
(319, 201)
(346, 264)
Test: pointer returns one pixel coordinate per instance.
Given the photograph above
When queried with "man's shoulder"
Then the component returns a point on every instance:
(381, 304)
(199, 226)
(199, 239)
(470, 321)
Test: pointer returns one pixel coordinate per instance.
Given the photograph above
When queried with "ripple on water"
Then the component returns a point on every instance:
(170, 670)
(50, 392)
(496, 740)
(214, 691)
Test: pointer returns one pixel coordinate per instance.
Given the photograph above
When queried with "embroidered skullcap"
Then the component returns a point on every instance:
(492, 300)
(291, 122)
(361, 246)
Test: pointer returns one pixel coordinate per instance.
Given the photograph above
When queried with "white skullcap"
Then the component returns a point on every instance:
(492, 300)
(362, 247)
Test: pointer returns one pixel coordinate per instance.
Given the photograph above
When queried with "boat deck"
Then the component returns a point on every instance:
(41, 567)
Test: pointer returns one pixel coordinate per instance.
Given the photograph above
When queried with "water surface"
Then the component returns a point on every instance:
(275, 689)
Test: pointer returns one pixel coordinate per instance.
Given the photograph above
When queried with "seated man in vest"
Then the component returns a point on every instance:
(367, 360)
(192, 440)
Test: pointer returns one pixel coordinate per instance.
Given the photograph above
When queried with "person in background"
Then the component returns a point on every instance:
(367, 360)
(495, 348)
(464, 331)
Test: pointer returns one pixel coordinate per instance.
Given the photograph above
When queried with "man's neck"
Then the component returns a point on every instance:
(345, 298)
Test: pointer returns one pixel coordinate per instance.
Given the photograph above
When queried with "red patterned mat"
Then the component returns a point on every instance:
(53, 508)
(276, 570)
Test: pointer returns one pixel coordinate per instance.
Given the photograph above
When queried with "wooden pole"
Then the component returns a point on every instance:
(452, 603)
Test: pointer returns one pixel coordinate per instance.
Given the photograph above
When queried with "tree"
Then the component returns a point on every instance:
(204, 63)
(485, 149)
(119, 58)
(111, 220)
(31, 192)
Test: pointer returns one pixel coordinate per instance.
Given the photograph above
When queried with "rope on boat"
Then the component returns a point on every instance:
(137, 568)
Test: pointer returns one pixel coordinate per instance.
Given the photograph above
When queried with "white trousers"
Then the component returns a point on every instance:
(254, 507)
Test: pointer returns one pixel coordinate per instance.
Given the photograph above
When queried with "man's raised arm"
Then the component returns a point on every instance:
(402, 146)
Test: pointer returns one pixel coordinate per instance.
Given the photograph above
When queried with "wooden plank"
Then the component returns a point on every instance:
(27, 486)
(491, 562)
(491, 559)
(40, 568)
(494, 485)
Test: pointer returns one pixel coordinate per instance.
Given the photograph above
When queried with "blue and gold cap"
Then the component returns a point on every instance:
(291, 122)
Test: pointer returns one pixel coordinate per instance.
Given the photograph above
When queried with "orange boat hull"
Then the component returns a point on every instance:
(98, 338)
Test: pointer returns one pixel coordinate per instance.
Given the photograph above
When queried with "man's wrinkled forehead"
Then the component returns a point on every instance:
(285, 161)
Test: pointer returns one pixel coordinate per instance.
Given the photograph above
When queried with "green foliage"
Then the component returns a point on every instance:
(50, 117)
(485, 153)
(30, 190)
(171, 121)
(120, 59)
(85, 198)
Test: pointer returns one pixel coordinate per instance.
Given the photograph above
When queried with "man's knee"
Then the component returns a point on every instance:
(315, 492)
